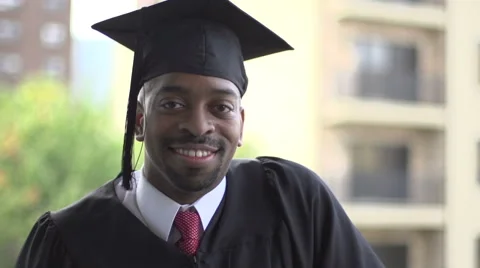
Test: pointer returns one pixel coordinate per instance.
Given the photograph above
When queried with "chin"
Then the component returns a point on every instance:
(195, 180)
(190, 186)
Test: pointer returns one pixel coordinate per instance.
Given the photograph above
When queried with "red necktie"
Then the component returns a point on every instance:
(189, 225)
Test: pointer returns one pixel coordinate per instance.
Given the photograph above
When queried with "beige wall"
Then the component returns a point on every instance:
(463, 132)
(282, 94)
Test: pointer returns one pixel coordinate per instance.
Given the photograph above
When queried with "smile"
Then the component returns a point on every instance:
(194, 153)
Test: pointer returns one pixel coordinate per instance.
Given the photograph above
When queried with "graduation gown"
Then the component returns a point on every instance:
(275, 213)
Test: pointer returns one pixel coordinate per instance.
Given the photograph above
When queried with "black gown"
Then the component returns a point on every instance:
(275, 213)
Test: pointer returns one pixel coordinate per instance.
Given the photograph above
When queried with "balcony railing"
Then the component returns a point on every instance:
(387, 186)
(396, 87)
(388, 189)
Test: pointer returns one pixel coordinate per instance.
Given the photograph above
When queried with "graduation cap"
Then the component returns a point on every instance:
(204, 37)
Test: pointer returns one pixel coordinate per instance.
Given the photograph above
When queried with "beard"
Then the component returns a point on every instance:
(194, 179)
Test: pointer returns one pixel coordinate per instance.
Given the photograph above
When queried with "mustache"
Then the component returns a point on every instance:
(204, 140)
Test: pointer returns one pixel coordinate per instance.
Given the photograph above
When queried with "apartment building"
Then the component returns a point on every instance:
(34, 38)
(395, 92)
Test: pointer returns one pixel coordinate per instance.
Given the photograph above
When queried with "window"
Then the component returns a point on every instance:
(392, 256)
(379, 172)
(55, 66)
(53, 35)
(6, 5)
(373, 55)
(10, 64)
(9, 30)
(55, 5)
(386, 69)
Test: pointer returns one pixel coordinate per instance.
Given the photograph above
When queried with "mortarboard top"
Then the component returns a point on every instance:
(205, 37)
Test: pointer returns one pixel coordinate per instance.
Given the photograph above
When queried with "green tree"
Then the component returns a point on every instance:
(53, 150)
(247, 150)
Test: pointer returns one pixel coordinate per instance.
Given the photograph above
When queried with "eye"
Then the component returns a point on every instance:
(223, 108)
(171, 105)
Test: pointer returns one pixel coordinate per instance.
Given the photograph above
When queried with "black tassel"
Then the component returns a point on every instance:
(135, 86)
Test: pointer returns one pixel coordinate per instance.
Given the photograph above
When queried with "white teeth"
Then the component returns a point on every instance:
(193, 153)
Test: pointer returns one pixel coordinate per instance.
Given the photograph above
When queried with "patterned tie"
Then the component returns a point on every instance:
(189, 225)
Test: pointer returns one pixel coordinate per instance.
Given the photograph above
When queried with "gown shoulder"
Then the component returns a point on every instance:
(44, 247)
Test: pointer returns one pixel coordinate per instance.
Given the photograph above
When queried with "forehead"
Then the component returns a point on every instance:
(191, 84)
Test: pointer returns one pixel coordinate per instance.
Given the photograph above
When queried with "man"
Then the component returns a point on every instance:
(191, 205)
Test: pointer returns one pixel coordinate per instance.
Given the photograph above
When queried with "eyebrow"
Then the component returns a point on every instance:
(183, 90)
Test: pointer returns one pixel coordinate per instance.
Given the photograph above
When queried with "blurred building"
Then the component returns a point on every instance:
(384, 116)
(34, 38)
(401, 152)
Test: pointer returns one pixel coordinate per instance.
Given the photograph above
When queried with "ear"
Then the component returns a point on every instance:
(242, 114)
(140, 123)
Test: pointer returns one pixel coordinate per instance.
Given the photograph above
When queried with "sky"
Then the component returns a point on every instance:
(93, 54)
(85, 13)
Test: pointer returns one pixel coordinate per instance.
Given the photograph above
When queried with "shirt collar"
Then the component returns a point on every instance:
(159, 211)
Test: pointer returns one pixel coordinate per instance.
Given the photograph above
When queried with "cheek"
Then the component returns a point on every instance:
(155, 125)
(233, 133)
(153, 134)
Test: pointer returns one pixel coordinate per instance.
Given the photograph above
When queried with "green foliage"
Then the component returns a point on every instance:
(247, 150)
(53, 150)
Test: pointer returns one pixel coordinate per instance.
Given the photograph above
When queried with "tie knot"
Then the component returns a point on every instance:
(189, 225)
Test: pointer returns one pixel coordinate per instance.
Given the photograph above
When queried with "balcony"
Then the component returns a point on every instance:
(395, 100)
(393, 189)
(392, 202)
(426, 14)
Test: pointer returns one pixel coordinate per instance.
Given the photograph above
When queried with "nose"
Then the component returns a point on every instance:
(197, 123)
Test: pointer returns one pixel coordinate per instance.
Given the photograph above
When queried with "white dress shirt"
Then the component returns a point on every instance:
(157, 211)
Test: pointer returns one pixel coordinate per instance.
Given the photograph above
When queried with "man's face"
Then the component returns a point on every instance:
(191, 126)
